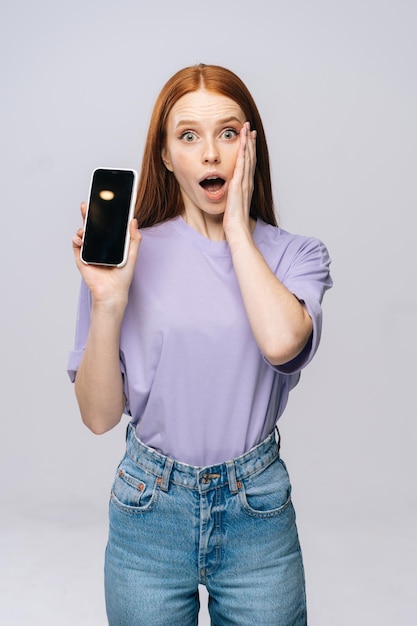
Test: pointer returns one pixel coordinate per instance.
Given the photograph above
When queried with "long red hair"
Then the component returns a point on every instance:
(159, 197)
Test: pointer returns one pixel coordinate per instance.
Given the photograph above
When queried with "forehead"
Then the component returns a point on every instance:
(204, 105)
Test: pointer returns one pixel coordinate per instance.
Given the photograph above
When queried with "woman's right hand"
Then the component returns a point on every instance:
(99, 384)
(108, 285)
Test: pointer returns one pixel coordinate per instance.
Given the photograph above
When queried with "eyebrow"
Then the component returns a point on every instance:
(222, 122)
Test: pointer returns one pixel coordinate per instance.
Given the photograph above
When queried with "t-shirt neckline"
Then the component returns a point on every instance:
(215, 248)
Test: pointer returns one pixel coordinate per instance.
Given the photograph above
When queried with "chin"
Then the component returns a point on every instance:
(215, 211)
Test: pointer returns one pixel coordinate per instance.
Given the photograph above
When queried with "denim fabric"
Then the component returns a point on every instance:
(230, 527)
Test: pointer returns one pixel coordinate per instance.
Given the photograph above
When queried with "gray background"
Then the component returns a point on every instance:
(336, 86)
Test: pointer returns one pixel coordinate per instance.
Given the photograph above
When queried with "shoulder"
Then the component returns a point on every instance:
(286, 247)
(158, 231)
(158, 241)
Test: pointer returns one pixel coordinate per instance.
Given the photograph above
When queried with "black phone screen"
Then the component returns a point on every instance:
(108, 216)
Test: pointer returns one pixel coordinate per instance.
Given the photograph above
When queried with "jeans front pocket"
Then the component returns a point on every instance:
(267, 493)
(134, 490)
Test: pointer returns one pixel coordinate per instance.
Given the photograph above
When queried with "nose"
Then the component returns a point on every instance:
(211, 153)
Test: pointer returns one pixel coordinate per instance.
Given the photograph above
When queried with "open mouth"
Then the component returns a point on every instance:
(212, 184)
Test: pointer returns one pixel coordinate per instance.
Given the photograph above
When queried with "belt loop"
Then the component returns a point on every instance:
(166, 474)
(278, 437)
(231, 475)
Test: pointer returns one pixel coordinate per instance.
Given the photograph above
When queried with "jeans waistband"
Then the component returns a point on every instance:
(201, 478)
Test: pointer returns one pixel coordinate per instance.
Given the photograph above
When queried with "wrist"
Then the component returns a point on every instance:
(113, 307)
(239, 236)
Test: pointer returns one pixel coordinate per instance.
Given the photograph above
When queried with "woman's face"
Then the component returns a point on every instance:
(202, 142)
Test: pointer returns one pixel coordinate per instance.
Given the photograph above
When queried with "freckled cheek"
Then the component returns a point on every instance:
(182, 163)
(183, 171)
(231, 157)
(231, 150)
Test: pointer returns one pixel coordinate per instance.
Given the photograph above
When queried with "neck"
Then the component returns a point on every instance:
(210, 226)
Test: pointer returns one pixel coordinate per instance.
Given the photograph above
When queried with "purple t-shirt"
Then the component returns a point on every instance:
(197, 387)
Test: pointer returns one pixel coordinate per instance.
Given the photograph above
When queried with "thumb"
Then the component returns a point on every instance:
(135, 237)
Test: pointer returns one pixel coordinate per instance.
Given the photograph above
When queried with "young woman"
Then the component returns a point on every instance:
(199, 338)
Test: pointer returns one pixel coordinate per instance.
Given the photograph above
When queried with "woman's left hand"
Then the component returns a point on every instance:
(236, 216)
(280, 324)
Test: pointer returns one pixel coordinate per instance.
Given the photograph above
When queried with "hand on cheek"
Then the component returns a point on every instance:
(241, 186)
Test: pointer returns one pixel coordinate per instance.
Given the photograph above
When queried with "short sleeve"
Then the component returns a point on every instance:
(307, 276)
(81, 331)
(81, 334)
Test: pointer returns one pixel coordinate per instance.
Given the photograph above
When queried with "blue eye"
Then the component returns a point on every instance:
(229, 133)
(188, 136)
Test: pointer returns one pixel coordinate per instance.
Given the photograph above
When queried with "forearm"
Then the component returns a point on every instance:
(99, 384)
(280, 323)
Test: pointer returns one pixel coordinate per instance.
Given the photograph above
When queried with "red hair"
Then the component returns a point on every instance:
(159, 197)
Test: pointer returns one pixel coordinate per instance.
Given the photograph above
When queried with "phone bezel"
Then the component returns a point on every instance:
(130, 215)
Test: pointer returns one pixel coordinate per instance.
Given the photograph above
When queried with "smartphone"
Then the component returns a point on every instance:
(110, 210)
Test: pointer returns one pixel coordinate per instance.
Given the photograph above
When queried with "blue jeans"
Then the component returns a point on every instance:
(230, 527)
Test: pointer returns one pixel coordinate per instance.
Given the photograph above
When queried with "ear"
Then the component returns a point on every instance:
(166, 160)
